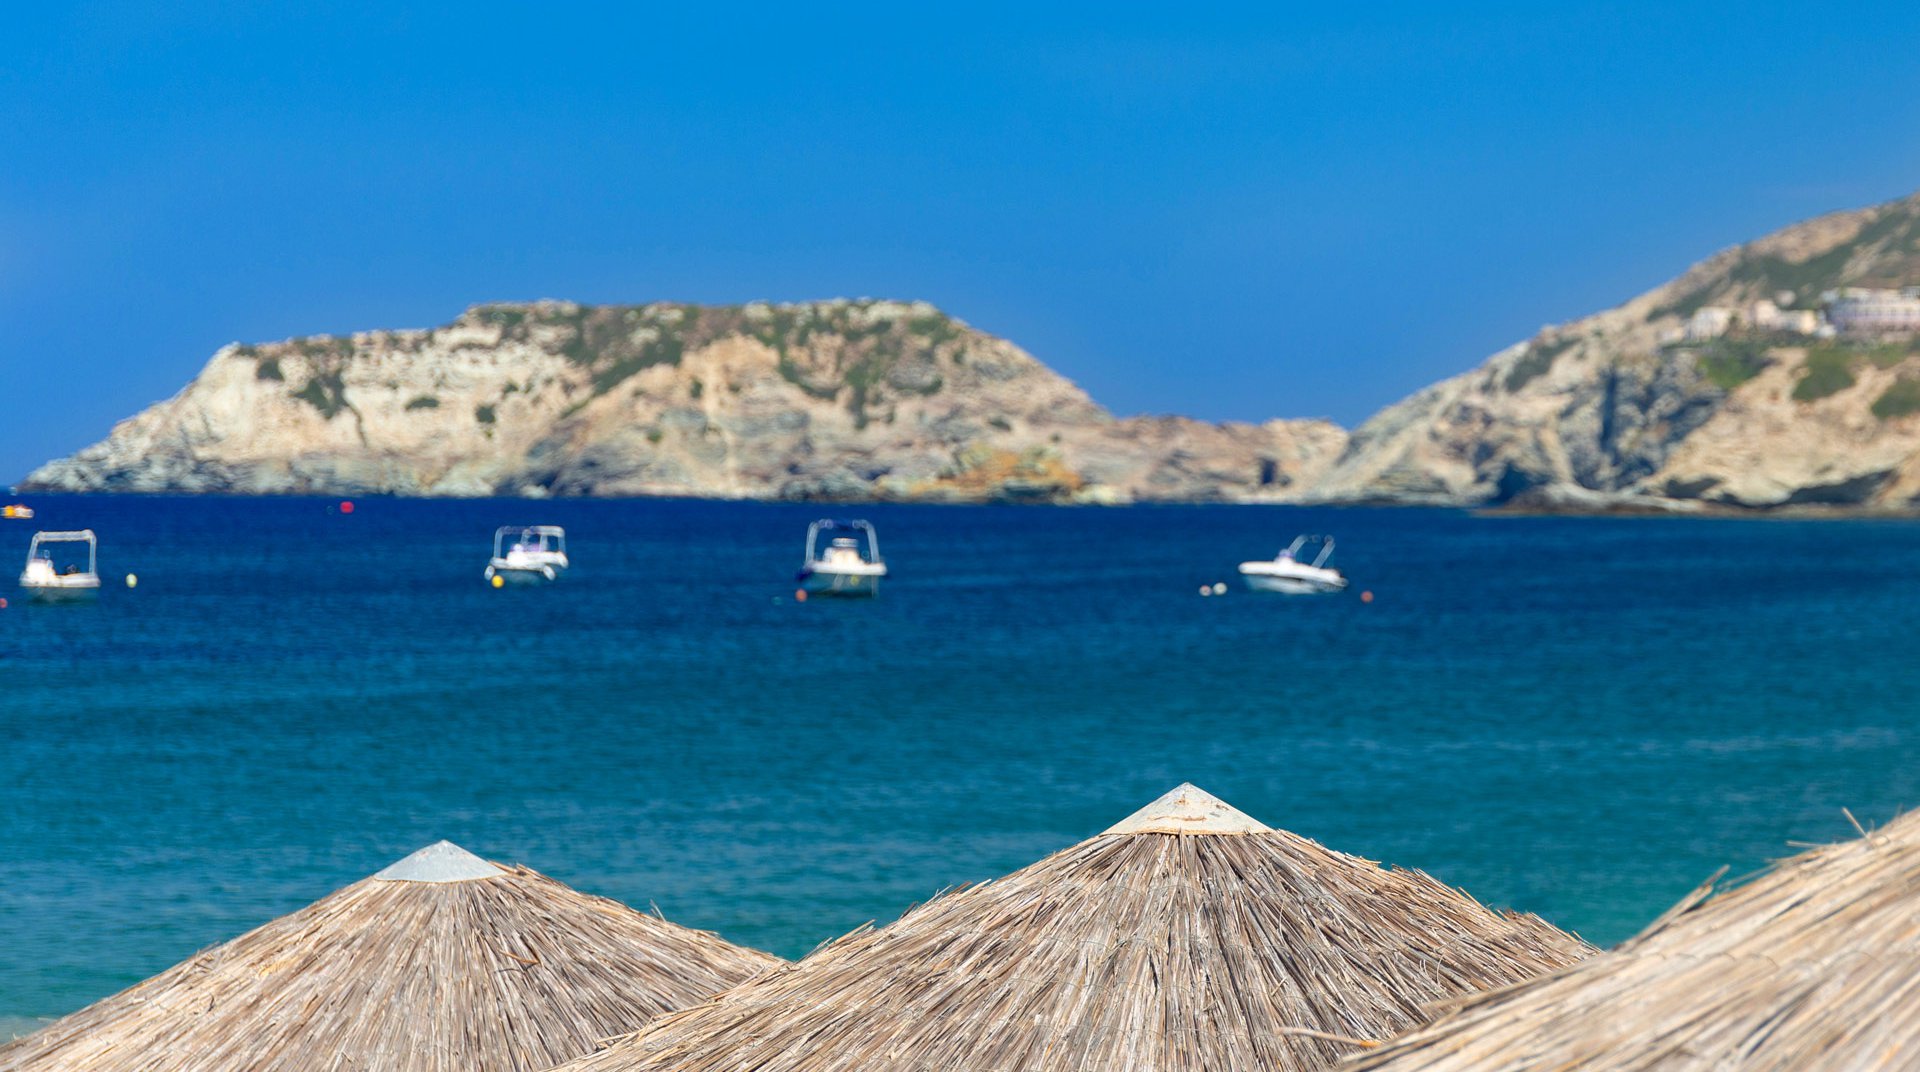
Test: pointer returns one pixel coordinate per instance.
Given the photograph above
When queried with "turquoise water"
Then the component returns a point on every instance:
(1579, 717)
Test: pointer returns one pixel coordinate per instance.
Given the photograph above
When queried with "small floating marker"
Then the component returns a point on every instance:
(799, 595)
(498, 581)
(346, 506)
(1219, 588)
(132, 581)
(1206, 590)
(1366, 597)
(3, 604)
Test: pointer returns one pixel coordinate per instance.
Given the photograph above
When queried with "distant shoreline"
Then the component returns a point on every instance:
(1647, 508)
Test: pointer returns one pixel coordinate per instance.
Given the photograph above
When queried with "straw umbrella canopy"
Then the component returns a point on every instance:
(1187, 937)
(1813, 965)
(441, 962)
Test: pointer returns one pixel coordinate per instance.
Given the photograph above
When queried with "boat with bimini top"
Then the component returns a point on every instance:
(1287, 574)
(537, 553)
(849, 564)
(45, 582)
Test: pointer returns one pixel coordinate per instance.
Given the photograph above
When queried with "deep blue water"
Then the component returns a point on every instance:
(1580, 717)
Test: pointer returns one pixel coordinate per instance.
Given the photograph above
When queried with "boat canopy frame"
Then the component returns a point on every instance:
(85, 536)
(830, 525)
(558, 534)
(1299, 542)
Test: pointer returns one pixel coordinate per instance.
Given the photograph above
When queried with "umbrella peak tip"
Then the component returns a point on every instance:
(442, 861)
(1189, 809)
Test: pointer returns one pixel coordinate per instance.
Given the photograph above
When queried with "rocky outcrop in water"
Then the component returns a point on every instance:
(827, 400)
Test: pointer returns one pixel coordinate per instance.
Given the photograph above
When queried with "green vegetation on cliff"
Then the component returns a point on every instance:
(828, 349)
(1729, 362)
(1830, 366)
(840, 350)
(1828, 371)
(326, 392)
(1537, 361)
(1900, 399)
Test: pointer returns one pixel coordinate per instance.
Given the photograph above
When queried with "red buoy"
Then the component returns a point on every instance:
(346, 506)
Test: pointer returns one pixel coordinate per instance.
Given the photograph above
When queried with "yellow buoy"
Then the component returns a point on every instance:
(499, 581)
(132, 581)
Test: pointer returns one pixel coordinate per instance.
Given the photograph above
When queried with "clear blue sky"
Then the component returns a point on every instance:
(1232, 212)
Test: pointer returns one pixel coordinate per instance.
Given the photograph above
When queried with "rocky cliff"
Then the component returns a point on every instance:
(1624, 408)
(828, 400)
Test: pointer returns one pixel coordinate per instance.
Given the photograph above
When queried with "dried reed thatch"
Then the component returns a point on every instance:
(1187, 937)
(442, 962)
(1814, 965)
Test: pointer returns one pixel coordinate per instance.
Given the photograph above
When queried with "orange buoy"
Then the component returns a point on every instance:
(1366, 597)
(799, 595)
(346, 506)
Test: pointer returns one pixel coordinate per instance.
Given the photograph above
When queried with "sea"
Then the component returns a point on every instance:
(1579, 717)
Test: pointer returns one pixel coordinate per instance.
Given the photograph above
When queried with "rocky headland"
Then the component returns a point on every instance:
(823, 400)
(1725, 389)
(1781, 375)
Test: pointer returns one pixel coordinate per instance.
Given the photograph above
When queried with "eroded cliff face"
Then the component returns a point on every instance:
(1612, 410)
(834, 400)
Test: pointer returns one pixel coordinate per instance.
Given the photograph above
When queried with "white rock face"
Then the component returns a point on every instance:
(830, 400)
(1601, 412)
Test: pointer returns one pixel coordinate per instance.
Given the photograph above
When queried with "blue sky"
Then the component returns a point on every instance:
(1227, 211)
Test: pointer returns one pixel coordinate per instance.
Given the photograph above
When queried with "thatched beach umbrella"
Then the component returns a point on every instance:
(1814, 965)
(443, 962)
(1187, 937)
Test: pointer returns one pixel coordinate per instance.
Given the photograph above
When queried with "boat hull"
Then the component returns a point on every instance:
(1294, 584)
(61, 593)
(835, 583)
(517, 574)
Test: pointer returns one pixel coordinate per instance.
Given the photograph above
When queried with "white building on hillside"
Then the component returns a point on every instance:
(1866, 311)
(1709, 322)
(1764, 315)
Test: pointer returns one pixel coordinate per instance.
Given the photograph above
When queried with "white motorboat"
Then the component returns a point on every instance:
(537, 553)
(47, 583)
(17, 512)
(1287, 574)
(843, 567)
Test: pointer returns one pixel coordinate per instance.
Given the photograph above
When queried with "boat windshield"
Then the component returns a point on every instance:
(1320, 546)
(528, 540)
(842, 542)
